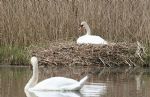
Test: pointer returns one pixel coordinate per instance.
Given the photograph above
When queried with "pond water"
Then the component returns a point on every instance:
(103, 82)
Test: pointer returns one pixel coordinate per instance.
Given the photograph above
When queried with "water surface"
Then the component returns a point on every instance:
(104, 82)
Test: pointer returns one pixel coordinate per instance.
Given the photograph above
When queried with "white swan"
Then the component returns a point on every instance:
(53, 83)
(88, 38)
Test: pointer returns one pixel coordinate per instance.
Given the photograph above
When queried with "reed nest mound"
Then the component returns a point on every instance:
(70, 53)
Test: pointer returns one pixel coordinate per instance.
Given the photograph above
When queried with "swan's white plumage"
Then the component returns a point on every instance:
(53, 83)
(91, 39)
(88, 38)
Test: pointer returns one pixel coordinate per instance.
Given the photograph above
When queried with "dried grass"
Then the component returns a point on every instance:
(24, 22)
(27, 22)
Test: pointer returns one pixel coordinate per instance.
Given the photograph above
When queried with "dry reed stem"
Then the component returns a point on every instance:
(24, 22)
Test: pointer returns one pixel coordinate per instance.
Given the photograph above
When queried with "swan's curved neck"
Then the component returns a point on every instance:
(34, 79)
(88, 31)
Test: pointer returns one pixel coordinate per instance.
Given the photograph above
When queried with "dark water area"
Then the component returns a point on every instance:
(104, 82)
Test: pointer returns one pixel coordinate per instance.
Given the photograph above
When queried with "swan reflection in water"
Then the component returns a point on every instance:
(94, 90)
(91, 90)
(53, 94)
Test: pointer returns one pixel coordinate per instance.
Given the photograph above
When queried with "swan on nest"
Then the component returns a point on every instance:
(88, 38)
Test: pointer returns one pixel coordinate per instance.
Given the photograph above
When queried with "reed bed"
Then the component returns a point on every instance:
(24, 22)
(27, 22)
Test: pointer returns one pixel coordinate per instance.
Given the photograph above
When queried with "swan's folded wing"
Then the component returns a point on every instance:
(91, 39)
(54, 83)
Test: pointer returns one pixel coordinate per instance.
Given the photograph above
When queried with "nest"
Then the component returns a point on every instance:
(70, 54)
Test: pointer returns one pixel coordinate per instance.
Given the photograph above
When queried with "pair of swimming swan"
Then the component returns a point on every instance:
(53, 83)
(88, 38)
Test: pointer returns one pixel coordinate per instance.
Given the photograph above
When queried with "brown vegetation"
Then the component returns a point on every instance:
(23, 22)
(71, 54)
(26, 22)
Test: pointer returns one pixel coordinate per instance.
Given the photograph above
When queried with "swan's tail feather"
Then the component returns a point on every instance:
(83, 80)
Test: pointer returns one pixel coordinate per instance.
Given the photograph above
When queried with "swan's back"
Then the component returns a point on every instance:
(55, 83)
(91, 39)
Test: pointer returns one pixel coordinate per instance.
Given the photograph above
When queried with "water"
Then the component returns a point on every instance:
(104, 82)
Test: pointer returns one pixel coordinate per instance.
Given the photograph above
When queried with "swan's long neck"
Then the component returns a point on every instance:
(88, 31)
(34, 79)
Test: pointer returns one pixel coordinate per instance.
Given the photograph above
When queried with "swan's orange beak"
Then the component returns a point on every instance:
(81, 28)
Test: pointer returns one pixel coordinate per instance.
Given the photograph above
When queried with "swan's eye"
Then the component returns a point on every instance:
(81, 25)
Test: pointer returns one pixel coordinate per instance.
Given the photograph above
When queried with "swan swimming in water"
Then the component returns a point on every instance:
(88, 38)
(53, 83)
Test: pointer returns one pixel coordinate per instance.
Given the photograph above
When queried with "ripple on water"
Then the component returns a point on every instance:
(94, 90)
